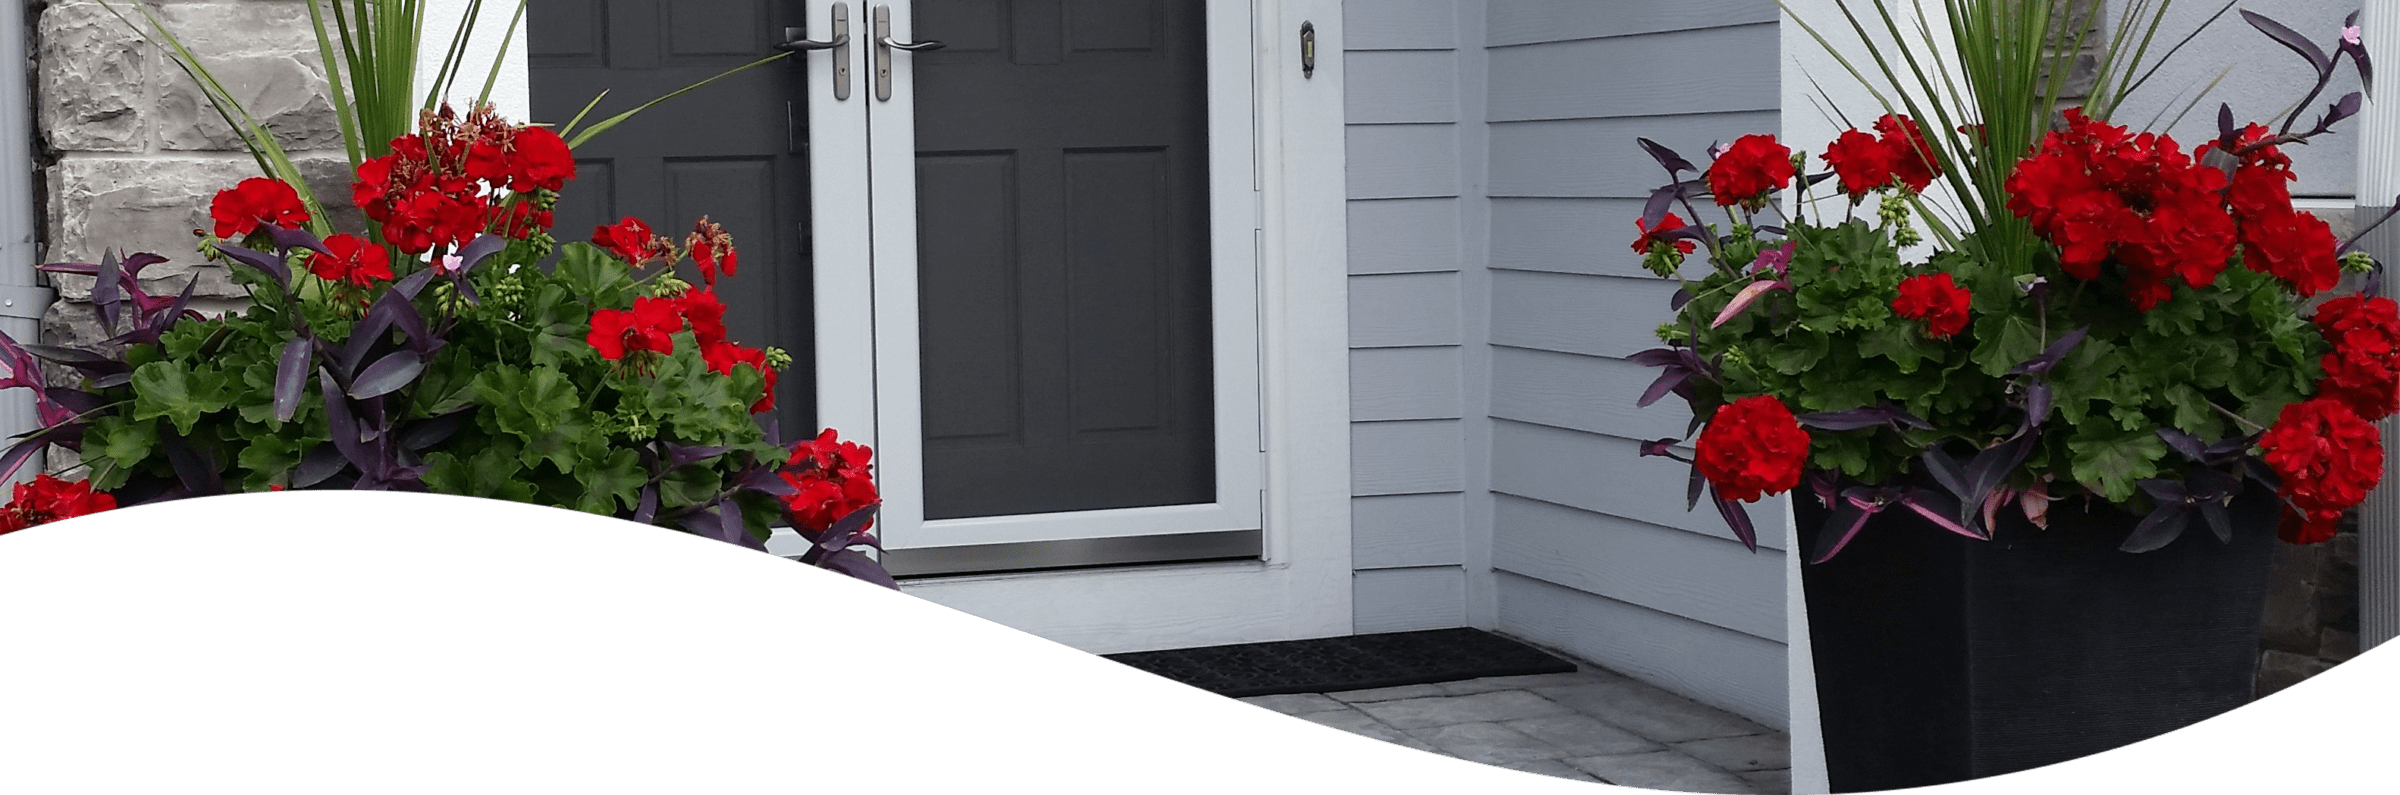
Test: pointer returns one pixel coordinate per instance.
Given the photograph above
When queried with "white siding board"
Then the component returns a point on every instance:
(1704, 579)
(1404, 310)
(1400, 25)
(1605, 474)
(1713, 665)
(1535, 21)
(1584, 393)
(1590, 315)
(1402, 161)
(1421, 457)
(1597, 158)
(1406, 384)
(1406, 530)
(1399, 87)
(1405, 600)
(1710, 70)
(1405, 236)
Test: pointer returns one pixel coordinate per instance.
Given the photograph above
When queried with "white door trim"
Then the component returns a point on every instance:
(1302, 587)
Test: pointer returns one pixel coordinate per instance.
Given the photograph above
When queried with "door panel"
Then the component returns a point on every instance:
(1063, 256)
(730, 151)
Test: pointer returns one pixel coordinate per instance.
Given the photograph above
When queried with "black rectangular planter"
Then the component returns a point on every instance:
(1940, 658)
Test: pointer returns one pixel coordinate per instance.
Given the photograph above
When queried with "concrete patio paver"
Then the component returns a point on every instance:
(1594, 725)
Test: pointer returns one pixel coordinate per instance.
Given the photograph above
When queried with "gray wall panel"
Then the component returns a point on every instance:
(1405, 384)
(1418, 457)
(1400, 25)
(1405, 236)
(1537, 21)
(1605, 474)
(1402, 161)
(1730, 670)
(1699, 71)
(1584, 393)
(1406, 530)
(1598, 158)
(1660, 568)
(1593, 236)
(1591, 315)
(1402, 600)
(1400, 87)
(1404, 310)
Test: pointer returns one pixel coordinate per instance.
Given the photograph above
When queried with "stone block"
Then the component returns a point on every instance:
(94, 80)
(1665, 770)
(2291, 615)
(68, 324)
(1296, 703)
(1651, 712)
(132, 205)
(1582, 735)
(2278, 670)
(1488, 743)
(248, 26)
(1418, 713)
(1742, 754)
(2339, 646)
(283, 91)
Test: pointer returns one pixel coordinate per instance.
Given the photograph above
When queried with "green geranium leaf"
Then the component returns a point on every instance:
(266, 458)
(1895, 342)
(2008, 340)
(2117, 462)
(610, 482)
(164, 389)
(689, 485)
(116, 440)
(594, 276)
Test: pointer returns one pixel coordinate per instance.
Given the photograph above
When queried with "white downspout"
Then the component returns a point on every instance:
(22, 297)
(2378, 183)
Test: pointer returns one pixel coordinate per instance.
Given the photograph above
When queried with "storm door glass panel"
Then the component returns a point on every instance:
(735, 151)
(1063, 256)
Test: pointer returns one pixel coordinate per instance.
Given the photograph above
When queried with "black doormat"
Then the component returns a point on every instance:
(1358, 662)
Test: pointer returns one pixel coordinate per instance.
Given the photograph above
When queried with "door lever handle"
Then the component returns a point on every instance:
(796, 40)
(920, 46)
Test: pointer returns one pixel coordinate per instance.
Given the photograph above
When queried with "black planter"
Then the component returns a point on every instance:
(1941, 658)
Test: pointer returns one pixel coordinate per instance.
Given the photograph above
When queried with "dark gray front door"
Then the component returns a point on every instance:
(734, 151)
(1063, 256)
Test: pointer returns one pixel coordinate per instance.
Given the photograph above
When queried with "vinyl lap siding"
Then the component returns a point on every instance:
(1407, 378)
(1593, 549)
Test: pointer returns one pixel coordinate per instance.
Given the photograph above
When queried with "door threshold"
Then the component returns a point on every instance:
(1083, 553)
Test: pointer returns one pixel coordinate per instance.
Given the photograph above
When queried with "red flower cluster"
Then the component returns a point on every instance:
(1935, 299)
(632, 241)
(1753, 447)
(1651, 239)
(2328, 459)
(1866, 163)
(2095, 191)
(651, 326)
(425, 193)
(254, 202)
(47, 499)
(707, 316)
(833, 479)
(353, 261)
(711, 248)
(1747, 170)
(2363, 371)
(2295, 246)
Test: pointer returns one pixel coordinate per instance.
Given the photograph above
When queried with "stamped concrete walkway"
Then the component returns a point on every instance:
(1594, 725)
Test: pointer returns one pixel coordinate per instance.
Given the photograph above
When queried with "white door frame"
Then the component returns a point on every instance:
(1301, 587)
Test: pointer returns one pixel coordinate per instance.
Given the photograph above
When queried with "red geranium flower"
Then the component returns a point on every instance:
(834, 479)
(721, 358)
(2296, 247)
(1863, 163)
(1651, 238)
(706, 314)
(541, 161)
(2363, 371)
(2328, 459)
(632, 241)
(1753, 447)
(711, 248)
(47, 499)
(1910, 155)
(2098, 193)
(1754, 165)
(1935, 299)
(616, 332)
(353, 261)
(253, 202)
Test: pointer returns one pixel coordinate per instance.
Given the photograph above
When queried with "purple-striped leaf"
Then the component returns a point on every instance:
(83, 360)
(648, 508)
(165, 323)
(1658, 447)
(2052, 355)
(1691, 491)
(1681, 298)
(2038, 398)
(1667, 158)
(105, 292)
(342, 426)
(859, 567)
(2290, 38)
(434, 430)
(75, 401)
(290, 373)
(388, 374)
(731, 529)
(684, 455)
(320, 463)
(192, 467)
(1990, 467)
(1668, 381)
(73, 268)
(269, 264)
(848, 529)
(1850, 512)
(2184, 443)
(2163, 490)
(1942, 510)
(1947, 472)
(2160, 528)
(1657, 357)
(1749, 295)
(1736, 517)
(1654, 211)
(477, 250)
(287, 239)
(134, 263)
(2227, 133)
(2220, 522)
(2233, 445)
(2259, 471)
(1858, 418)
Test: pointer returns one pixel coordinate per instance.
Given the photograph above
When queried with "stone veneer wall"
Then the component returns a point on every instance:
(132, 153)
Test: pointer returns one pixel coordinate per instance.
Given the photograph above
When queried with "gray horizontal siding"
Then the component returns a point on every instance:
(1708, 70)
(1402, 161)
(1537, 21)
(1406, 530)
(1403, 104)
(1404, 310)
(1405, 384)
(1594, 548)
(1403, 600)
(1404, 236)
(1400, 87)
(1598, 158)
(1638, 563)
(1734, 671)
(1608, 475)
(1420, 457)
